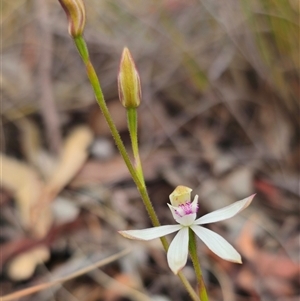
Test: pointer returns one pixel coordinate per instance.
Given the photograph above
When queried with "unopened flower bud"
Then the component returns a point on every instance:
(129, 85)
(75, 11)
(180, 195)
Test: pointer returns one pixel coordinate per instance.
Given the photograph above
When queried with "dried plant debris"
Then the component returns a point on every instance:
(27, 187)
(35, 195)
(23, 266)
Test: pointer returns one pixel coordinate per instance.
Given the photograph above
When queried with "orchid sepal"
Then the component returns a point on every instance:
(150, 233)
(225, 212)
(178, 251)
(217, 244)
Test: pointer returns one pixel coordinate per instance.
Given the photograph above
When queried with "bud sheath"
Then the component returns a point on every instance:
(75, 11)
(129, 82)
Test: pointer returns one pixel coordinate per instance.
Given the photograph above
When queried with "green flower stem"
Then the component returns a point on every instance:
(83, 51)
(195, 260)
(132, 126)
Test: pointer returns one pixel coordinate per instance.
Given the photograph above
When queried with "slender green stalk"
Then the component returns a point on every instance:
(132, 126)
(195, 260)
(83, 51)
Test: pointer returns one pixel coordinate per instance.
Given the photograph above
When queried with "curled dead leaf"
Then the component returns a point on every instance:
(32, 195)
(74, 154)
(23, 266)
(32, 147)
(26, 185)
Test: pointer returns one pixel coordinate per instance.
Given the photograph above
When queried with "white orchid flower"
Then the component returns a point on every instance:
(184, 212)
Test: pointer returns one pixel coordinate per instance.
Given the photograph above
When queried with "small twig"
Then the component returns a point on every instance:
(45, 93)
(43, 286)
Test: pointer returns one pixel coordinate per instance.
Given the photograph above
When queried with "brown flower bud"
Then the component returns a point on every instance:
(75, 11)
(129, 85)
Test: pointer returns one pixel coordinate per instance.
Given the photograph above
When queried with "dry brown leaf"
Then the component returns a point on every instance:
(239, 181)
(279, 286)
(23, 266)
(87, 292)
(94, 171)
(30, 139)
(27, 187)
(74, 154)
(267, 264)
(277, 265)
(31, 142)
(276, 135)
(119, 289)
(245, 241)
(246, 278)
(32, 147)
(43, 286)
(115, 170)
(99, 124)
(122, 285)
(32, 195)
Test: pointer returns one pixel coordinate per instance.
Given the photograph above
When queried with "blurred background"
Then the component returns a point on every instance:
(220, 114)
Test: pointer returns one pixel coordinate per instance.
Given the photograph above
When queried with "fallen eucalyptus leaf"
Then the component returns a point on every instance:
(23, 266)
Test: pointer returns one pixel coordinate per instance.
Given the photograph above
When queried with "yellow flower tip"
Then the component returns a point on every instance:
(239, 261)
(250, 199)
(75, 12)
(129, 85)
(236, 259)
(180, 195)
(126, 235)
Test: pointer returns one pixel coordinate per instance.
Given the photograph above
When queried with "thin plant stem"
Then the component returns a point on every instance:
(132, 126)
(196, 263)
(93, 78)
(81, 46)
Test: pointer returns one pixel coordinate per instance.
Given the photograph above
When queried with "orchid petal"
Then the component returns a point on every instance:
(150, 233)
(217, 244)
(185, 220)
(173, 211)
(195, 205)
(178, 250)
(225, 213)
